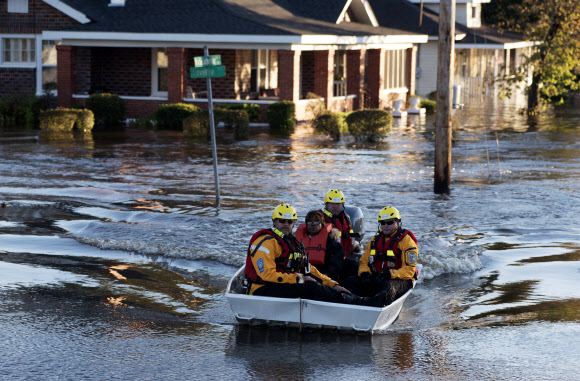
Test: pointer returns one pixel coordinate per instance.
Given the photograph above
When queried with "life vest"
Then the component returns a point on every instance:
(387, 255)
(314, 246)
(289, 261)
(342, 223)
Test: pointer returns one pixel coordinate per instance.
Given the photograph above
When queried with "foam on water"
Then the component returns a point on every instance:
(13, 275)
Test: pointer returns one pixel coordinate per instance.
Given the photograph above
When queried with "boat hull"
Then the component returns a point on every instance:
(306, 313)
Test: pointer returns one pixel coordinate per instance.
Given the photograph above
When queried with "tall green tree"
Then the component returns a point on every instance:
(555, 26)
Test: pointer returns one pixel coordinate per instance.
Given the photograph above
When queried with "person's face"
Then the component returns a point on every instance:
(389, 229)
(285, 226)
(334, 208)
(313, 226)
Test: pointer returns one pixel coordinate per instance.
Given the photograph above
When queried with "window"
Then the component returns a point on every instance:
(17, 6)
(159, 72)
(48, 65)
(18, 50)
(264, 73)
(395, 75)
(339, 86)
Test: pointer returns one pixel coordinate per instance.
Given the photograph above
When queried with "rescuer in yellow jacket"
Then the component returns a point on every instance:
(389, 262)
(276, 265)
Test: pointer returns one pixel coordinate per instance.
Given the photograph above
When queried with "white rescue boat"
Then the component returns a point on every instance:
(305, 313)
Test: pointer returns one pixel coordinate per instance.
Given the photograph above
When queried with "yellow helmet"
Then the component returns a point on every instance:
(285, 211)
(388, 213)
(334, 196)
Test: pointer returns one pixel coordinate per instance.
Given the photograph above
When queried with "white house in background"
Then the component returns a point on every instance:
(482, 54)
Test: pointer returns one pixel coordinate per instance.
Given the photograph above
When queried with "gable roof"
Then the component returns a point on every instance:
(272, 21)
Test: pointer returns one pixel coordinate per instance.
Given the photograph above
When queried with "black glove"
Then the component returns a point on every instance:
(385, 275)
(366, 282)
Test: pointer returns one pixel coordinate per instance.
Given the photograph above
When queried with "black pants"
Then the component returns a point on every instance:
(395, 288)
(307, 290)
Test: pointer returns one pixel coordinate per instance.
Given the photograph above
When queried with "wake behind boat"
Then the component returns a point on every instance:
(306, 313)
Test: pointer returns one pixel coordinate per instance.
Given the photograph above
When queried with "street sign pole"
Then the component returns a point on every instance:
(212, 129)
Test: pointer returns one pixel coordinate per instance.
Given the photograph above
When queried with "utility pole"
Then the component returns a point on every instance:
(444, 87)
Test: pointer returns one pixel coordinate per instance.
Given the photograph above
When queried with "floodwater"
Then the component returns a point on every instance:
(114, 259)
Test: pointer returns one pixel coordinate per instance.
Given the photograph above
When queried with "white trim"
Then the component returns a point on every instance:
(458, 37)
(154, 75)
(395, 90)
(370, 12)
(19, 65)
(511, 45)
(69, 11)
(128, 97)
(341, 16)
(349, 96)
(199, 40)
(456, 1)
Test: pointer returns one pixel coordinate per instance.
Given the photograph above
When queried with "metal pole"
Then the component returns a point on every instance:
(212, 129)
(442, 175)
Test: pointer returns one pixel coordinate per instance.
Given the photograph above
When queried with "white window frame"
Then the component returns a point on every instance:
(17, 6)
(258, 54)
(395, 70)
(3, 63)
(155, 92)
(41, 65)
(339, 85)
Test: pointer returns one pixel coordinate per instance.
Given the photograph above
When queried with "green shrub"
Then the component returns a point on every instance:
(197, 124)
(282, 117)
(108, 109)
(332, 124)
(428, 105)
(64, 119)
(171, 116)
(17, 112)
(369, 125)
(85, 119)
(253, 110)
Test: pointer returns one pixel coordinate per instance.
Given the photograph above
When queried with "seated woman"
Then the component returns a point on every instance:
(322, 243)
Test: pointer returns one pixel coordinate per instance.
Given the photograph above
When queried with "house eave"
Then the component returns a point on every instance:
(221, 40)
(68, 10)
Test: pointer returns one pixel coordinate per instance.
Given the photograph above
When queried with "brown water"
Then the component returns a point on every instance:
(113, 258)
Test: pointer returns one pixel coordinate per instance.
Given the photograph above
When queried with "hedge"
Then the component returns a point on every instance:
(253, 110)
(108, 109)
(197, 124)
(282, 117)
(171, 116)
(63, 120)
(332, 124)
(369, 125)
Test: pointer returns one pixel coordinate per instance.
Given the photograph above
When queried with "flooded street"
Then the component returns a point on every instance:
(114, 260)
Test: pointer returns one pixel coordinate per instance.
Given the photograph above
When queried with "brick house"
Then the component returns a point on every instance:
(143, 50)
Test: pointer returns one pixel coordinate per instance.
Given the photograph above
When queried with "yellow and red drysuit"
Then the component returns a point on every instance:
(271, 258)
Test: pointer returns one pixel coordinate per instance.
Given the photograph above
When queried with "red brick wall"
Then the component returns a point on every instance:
(324, 74)
(65, 74)
(307, 73)
(355, 76)
(223, 87)
(175, 74)
(289, 74)
(122, 71)
(16, 81)
(374, 76)
(40, 16)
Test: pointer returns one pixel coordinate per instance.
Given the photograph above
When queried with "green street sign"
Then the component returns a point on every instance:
(207, 72)
(207, 61)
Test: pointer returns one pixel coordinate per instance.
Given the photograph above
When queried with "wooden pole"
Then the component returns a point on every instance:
(444, 85)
